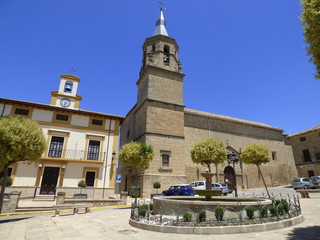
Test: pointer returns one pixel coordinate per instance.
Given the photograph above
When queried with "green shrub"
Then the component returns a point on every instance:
(156, 185)
(273, 210)
(229, 183)
(250, 212)
(151, 206)
(202, 215)
(263, 211)
(8, 181)
(187, 216)
(82, 183)
(285, 205)
(218, 212)
(142, 210)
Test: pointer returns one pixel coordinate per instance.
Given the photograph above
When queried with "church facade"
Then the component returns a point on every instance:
(160, 119)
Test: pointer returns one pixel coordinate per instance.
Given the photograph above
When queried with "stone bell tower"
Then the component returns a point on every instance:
(158, 117)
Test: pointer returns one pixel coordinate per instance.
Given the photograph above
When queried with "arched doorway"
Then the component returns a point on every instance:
(229, 175)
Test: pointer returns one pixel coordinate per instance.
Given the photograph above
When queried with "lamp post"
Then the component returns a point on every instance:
(232, 157)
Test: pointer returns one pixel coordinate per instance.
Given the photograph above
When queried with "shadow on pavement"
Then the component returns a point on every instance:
(12, 219)
(307, 233)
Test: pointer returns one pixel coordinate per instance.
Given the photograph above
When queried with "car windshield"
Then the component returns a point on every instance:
(296, 180)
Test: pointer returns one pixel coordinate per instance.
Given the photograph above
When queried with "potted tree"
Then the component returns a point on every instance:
(81, 184)
(156, 185)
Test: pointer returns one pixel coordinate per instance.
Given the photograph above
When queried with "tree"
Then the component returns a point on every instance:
(136, 155)
(256, 154)
(209, 151)
(310, 19)
(21, 139)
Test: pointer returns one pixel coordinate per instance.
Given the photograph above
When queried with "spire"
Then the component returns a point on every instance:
(161, 26)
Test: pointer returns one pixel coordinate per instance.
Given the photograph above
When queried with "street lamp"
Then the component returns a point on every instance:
(232, 157)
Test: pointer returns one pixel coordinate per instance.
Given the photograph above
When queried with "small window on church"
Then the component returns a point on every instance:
(153, 48)
(302, 139)
(274, 155)
(165, 158)
(68, 87)
(166, 54)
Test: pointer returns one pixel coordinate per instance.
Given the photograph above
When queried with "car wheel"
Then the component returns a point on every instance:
(295, 188)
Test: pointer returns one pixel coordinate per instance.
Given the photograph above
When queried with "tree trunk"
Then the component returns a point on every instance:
(217, 174)
(3, 187)
(263, 181)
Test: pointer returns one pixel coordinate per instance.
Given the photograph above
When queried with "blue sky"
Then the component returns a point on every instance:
(244, 59)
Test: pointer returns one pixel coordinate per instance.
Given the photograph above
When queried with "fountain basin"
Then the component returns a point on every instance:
(176, 205)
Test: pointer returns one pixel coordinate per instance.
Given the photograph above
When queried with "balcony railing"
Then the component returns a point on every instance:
(75, 154)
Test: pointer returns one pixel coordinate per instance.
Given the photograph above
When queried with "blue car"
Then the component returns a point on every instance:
(179, 190)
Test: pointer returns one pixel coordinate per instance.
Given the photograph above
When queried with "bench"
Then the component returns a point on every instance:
(305, 192)
(74, 207)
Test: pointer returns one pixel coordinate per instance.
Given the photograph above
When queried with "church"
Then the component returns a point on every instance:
(160, 119)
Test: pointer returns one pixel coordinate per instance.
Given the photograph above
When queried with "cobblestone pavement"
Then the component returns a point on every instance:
(112, 223)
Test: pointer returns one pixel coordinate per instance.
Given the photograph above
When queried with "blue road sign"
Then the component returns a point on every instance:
(118, 178)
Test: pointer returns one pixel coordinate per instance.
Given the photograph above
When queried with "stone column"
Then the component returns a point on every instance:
(14, 198)
(61, 198)
(124, 197)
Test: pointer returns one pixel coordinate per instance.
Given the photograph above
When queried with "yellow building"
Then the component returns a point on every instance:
(81, 145)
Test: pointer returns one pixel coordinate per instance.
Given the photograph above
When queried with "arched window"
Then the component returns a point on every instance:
(166, 54)
(68, 87)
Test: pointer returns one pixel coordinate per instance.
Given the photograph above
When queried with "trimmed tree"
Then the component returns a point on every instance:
(209, 151)
(21, 139)
(256, 154)
(136, 155)
(310, 19)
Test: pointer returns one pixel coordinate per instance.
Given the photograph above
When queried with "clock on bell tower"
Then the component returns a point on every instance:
(66, 96)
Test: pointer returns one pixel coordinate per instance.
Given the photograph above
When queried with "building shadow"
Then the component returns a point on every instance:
(6, 220)
(307, 233)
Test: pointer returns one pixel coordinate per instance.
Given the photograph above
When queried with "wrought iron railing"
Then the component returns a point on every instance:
(75, 154)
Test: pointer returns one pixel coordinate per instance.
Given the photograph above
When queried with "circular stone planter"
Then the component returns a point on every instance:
(168, 205)
(219, 230)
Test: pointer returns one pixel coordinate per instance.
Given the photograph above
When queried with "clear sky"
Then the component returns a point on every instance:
(244, 59)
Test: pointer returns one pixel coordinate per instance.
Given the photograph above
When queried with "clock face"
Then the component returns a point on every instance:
(65, 102)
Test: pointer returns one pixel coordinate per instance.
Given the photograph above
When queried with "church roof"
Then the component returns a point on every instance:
(160, 26)
(305, 131)
(227, 118)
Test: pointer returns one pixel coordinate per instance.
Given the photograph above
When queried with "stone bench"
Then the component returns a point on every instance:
(305, 192)
(74, 207)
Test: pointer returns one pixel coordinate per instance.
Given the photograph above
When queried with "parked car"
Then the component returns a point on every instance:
(179, 190)
(300, 183)
(198, 185)
(314, 181)
(201, 185)
(219, 186)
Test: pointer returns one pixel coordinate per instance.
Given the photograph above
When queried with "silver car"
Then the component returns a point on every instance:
(222, 187)
(314, 181)
(300, 183)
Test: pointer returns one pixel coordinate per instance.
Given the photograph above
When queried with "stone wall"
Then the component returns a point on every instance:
(238, 135)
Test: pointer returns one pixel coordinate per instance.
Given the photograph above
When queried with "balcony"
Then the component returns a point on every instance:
(75, 154)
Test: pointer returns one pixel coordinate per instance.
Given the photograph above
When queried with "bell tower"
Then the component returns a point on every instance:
(158, 117)
(66, 96)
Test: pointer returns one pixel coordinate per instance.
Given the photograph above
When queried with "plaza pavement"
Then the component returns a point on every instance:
(112, 223)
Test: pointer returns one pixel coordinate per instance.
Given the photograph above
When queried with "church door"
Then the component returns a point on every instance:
(229, 175)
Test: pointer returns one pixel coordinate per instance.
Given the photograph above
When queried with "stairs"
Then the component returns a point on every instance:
(45, 198)
(33, 209)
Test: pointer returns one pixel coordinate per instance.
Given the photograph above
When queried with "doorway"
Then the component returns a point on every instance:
(229, 175)
(49, 180)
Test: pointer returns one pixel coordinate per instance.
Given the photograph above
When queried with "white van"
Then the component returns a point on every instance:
(198, 185)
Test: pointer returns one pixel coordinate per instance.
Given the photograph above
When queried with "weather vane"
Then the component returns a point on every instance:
(161, 5)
